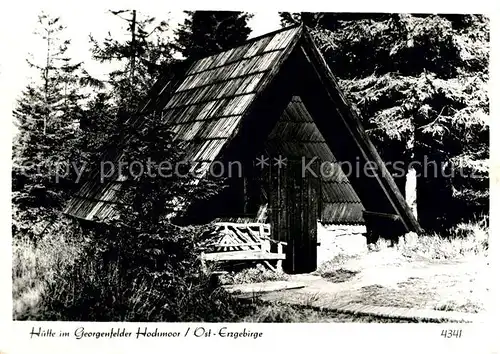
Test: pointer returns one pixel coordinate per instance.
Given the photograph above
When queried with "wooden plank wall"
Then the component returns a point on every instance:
(294, 208)
(296, 136)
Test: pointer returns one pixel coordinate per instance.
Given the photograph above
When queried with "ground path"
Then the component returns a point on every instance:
(386, 284)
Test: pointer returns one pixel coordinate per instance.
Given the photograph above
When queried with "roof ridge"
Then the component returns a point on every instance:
(251, 40)
(272, 33)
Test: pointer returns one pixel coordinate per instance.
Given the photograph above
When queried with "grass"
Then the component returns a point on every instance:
(339, 275)
(256, 274)
(334, 264)
(285, 313)
(65, 278)
(408, 295)
(469, 306)
(36, 266)
(465, 239)
(443, 291)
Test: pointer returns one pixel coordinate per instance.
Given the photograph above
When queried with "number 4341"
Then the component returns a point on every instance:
(449, 333)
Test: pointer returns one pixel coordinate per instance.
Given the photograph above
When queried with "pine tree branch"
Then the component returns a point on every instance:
(433, 122)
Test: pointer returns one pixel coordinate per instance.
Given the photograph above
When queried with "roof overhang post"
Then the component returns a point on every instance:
(411, 174)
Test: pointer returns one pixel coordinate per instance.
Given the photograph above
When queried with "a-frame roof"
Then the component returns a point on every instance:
(203, 101)
(207, 101)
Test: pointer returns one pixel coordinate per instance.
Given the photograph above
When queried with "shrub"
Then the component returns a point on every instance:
(135, 283)
(36, 265)
(99, 274)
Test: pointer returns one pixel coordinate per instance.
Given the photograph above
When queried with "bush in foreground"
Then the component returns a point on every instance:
(95, 281)
(36, 264)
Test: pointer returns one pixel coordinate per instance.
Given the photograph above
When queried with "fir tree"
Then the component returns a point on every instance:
(424, 87)
(141, 58)
(204, 33)
(47, 116)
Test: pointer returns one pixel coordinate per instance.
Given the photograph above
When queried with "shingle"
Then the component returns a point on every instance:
(295, 134)
(206, 106)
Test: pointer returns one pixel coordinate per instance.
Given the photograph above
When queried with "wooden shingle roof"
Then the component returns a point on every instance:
(204, 106)
(217, 91)
(205, 103)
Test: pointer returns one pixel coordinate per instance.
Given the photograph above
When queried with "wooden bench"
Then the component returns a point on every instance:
(243, 242)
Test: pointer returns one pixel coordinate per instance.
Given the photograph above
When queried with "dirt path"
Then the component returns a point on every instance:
(386, 278)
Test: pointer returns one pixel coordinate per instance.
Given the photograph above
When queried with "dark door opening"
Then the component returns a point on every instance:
(294, 201)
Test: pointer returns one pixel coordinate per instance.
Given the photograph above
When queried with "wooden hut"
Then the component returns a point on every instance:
(272, 99)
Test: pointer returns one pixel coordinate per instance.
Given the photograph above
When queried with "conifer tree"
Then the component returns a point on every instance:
(140, 57)
(207, 32)
(47, 116)
(422, 94)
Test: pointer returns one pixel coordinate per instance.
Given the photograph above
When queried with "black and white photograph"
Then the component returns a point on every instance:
(250, 167)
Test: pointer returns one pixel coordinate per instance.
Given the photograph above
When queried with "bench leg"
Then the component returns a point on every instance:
(203, 263)
(269, 265)
(279, 264)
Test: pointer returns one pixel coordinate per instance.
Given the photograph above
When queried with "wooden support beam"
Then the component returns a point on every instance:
(387, 226)
(375, 215)
(236, 245)
(242, 256)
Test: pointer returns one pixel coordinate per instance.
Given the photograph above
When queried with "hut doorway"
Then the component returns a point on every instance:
(294, 205)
